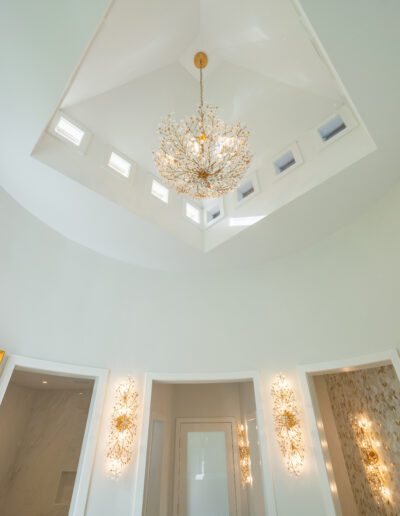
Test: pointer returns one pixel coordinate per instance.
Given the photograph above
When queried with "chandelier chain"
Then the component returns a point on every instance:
(201, 87)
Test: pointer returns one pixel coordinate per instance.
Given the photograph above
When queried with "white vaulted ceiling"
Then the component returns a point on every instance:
(266, 69)
(263, 71)
(262, 36)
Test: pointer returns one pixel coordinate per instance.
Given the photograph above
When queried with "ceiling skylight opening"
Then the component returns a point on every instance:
(245, 190)
(160, 191)
(331, 128)
(119, 164)
(213, 213)
(245, 221)
(284, 162)
(69, 131)
(193, 213)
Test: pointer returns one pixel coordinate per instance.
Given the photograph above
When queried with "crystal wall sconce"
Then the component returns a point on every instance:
(244, 456)
(375, 469)
(287, 424)
(123, 428)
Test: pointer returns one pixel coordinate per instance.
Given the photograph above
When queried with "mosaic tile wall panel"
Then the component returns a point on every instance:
(374, 392)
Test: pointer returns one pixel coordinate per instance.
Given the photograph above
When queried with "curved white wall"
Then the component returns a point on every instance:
(60, 301)
(337, 299)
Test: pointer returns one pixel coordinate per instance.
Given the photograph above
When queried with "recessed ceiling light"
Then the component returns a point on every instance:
(160, 191)
(44, 381)
(193, 213)
(245, 221)
(69, 131)
(119, 164)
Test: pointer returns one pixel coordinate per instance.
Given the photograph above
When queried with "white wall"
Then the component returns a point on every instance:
(336, 299)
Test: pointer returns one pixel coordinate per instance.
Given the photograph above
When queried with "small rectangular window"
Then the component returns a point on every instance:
(331, 128)
(286, 161)
(119, 164)
(160, 191)
(212, 214)
(245, 190)
(69, 131)
(193, 213)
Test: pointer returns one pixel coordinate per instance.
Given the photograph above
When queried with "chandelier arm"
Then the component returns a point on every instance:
(181, 148)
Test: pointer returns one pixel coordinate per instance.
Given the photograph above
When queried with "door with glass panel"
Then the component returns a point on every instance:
(206, 468)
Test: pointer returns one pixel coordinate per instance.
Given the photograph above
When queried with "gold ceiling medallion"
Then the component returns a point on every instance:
(202, 156)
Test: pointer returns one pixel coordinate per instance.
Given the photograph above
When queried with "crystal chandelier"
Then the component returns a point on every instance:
(202, 156)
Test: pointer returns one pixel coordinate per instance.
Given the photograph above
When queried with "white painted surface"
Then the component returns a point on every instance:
(66, 303)
(30, 94)
(335, 299)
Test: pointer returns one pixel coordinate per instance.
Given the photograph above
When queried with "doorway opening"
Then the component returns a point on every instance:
(196, 453)
(48, 436)
(355, 408)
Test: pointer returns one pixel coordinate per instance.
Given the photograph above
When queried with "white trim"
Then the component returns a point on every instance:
(306, 372)
(155, 417)
(88, 449)
(266, 464)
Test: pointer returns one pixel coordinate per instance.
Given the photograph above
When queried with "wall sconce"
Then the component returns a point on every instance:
(122, 434)
(375, 469)
(2, 353)
(287, 424)
(244, 456)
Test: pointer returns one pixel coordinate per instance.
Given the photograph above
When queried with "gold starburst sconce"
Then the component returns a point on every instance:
(287, 424)
(123, 428)
(375, 469)
(244, 456)
(202, 156)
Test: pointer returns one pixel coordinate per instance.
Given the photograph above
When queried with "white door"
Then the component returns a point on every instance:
(206, 480)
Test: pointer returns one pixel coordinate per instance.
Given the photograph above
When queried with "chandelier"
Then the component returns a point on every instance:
(202, 156)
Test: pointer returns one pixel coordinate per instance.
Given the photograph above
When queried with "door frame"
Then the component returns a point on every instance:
(266, 464)
(193, 420)
(89, 442)
(310, 402)
(154, 417)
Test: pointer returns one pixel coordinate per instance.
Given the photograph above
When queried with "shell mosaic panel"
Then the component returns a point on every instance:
(374, 392)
